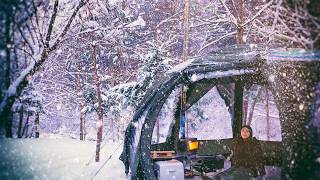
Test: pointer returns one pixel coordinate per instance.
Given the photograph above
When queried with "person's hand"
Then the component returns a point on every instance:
(229, 158)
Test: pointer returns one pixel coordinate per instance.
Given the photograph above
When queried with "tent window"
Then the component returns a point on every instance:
(165, 118)
(209, 118)
(261, 113)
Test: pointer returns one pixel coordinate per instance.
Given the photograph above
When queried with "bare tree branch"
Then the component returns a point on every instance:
(258, 13)
(212, 42)
(51, 23)
(233, 19)
(65, 29)
(17, 86)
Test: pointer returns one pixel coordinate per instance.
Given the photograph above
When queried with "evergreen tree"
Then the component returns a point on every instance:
(154, 63)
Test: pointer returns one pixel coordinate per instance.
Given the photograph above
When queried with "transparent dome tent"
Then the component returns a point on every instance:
(291, 77)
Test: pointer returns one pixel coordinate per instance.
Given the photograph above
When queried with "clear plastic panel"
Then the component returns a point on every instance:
(209, 118)
(261, 113)
(165, 119)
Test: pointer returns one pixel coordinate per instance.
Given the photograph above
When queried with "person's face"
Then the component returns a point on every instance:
(245, 133)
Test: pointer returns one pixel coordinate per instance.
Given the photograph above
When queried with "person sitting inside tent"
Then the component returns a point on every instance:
(246, 157)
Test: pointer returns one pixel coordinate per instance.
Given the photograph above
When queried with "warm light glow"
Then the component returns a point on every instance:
(193, 145)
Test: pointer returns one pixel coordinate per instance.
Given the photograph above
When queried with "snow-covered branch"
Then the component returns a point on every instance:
(170, 18)
(67, 26)
(233, 19)
(258, 13)
(212, 42)
(16, 87)
(51, 23)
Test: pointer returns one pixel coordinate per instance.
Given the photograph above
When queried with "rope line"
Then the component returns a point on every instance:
(94, 154)
(106, 161)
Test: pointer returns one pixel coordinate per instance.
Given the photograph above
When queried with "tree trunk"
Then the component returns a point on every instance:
(36, 125)
(158, 130)
(267, 112)
(84, 128)
(26, 126)
(184, 125)
(78, 85)
(252, 107)
(8, 114)
(81, 123)
(117, 72)
(100, 113)
(245, 111)
(9, 125)
(238, 102)
(240, 29)
(20, 122)
(8, 47)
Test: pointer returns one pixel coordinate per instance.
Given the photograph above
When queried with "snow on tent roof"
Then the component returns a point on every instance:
(235, 53)
(293, 55)
(180, 67)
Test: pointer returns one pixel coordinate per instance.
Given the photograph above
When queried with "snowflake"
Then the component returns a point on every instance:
(99, 124)
(301, 106)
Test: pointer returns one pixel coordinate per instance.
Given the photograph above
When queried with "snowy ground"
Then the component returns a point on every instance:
(57, 158)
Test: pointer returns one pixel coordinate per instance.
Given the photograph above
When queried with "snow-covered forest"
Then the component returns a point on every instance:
(74, 72)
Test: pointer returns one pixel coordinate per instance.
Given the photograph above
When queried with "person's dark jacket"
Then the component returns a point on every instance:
(248, 154)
